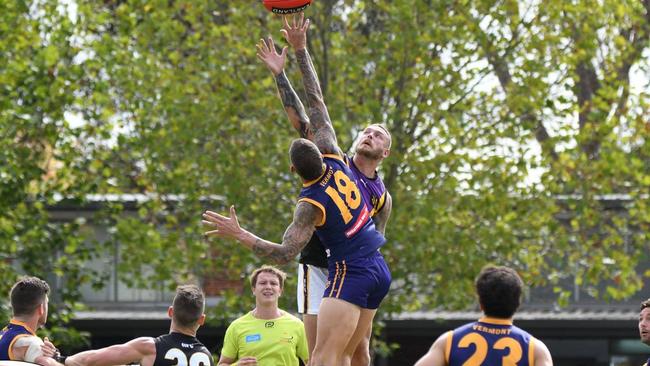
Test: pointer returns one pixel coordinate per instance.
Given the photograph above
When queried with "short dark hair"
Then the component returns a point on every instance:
(27, 295)
(499, 291)
(306, 159)
(645, 304)
(268, 269)
(189, 304)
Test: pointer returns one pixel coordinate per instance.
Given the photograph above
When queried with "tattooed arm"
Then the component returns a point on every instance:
(298, 233)
(321, 125)
(381, 217)
(275, 61)
(293, 106)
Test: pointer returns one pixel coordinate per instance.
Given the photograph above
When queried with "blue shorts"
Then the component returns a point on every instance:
(362, 281)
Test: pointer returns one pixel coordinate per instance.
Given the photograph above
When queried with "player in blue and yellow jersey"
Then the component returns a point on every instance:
(493, 340)
(18, 340)
(333, 206)
(644, 325)
(371, 149)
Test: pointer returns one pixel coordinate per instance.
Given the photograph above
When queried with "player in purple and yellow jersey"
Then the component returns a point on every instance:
(371, 148)
(332, 205)
(493, 340)
(18, 340)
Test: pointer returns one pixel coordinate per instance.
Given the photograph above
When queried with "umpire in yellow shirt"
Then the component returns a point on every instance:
(267, 335)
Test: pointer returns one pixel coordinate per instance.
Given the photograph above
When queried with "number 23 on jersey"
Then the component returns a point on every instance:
(480, 345)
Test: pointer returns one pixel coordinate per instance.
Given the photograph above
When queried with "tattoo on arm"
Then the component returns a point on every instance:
(381, 217)
(321, 124)
(295, 237)
(292, 105)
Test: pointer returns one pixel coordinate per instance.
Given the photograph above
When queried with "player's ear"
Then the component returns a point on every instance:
(385, 153)
(292, 168)
(201, 319)
(170, 311)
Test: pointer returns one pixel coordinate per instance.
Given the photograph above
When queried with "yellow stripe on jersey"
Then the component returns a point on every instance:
(345, 269)
(380, 204)
(335, 156)
(11, 346)
(531, 352)
(336, 276)
(450, 336)
(317, 204)
(311, 182)
(22, 324)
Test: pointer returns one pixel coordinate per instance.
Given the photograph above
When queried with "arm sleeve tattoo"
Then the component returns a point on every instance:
(295, 237)
(292, 105)
(324, 135)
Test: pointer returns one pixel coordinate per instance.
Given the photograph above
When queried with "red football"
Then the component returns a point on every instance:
(286, 6)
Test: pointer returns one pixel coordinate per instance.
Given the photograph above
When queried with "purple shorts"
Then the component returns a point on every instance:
(362, 281)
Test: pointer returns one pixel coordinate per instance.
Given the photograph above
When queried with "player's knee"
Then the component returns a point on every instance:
(361, 356)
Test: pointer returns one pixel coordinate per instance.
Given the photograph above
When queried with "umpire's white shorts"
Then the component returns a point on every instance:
(311, 287)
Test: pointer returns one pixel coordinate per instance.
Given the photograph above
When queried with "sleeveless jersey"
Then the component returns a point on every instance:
(489, 342)
(181, 349)
(346, 229)
(14, 330)
(374, 194)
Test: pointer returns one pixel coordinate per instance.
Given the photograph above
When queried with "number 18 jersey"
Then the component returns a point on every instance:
(489, 342)
(346, 229)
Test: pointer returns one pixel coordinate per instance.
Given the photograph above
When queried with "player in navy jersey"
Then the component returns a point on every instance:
(18, 340)
(492, 340)
(644, 325)
(179, 347)
(331, 204)
(371, 148)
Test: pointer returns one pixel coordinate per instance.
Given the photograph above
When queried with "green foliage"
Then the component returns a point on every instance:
(511, 122)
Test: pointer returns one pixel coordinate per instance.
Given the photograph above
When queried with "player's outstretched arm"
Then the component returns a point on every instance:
(381, 217)
(275, 61)
(321, 125)
(436, 355)
(121, 354)
(305, 218)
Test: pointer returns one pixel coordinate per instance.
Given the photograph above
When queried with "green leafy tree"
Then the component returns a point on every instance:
(511, 122)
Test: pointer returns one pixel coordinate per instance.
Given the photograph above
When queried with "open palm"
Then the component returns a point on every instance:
(273, 60)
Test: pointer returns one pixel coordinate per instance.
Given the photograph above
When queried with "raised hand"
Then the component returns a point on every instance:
(296, 32)
(224, 226)
(273, 60)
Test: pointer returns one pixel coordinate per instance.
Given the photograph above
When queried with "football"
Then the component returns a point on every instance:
(286, 6)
